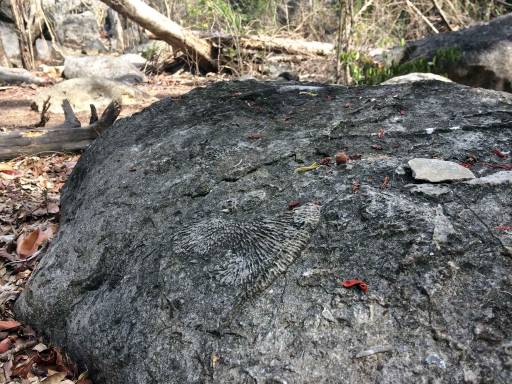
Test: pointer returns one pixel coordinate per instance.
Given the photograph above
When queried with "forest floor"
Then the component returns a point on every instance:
(29, 219)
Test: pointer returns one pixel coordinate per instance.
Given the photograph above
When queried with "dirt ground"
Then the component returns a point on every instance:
(15, 101)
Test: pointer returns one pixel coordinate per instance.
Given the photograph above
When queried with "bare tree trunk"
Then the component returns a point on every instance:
(28, 17)
(4, 60)
(117, 30)
(172, 33)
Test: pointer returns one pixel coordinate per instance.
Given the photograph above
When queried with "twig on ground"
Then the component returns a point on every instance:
(44, 117)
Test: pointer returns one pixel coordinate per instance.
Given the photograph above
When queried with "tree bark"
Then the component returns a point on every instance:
(67, 137)
(28, 17)
(4, 60)
(196, 49)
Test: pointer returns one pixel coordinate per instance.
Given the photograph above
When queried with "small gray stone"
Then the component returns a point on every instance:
(82, 92)
(46, 52)
(135, 59)
(10, 42)
(415, 76)
(114, 68)
(435, 171)
(502, 177)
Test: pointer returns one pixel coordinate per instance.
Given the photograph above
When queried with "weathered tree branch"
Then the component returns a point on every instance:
(199, 50)
(67, 137)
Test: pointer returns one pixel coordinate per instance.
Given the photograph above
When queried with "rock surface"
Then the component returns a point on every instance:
(108, 67)
(46, 52)
(82, 92)
(10, 42)
(503, 177)
(435, 170)
(415, 76)
(485, 52)
(179, 261)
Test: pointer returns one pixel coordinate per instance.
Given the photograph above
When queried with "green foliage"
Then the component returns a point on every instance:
(364, 70)
(150, 52)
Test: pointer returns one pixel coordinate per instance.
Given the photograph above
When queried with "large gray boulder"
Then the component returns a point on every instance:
(82, 92)
(10, 42)
(184, 257)
(109, 67)
(480, 56)
(76, 25)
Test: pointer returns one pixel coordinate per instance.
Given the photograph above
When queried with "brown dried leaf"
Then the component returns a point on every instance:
(5, 344)
(28, 244)
(84, 379)
(55, 378)
(8, 324)
(22, 369)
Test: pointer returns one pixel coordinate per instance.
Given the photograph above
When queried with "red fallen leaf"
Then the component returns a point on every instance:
(254, 136)
(351, 283)
(8, 324)
(28, 244)
(5, 344)
(8, 171)
(341, 158)
(508, 167)
(504, 228)
(294, 204)
(402, 112)
(377, 147)
(500, 154)
(466, 165)
(380, 135)
(325, 161)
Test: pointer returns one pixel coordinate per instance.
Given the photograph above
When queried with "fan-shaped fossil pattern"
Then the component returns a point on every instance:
(249, 254)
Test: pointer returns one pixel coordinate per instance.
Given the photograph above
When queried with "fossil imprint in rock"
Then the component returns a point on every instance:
(249, 254)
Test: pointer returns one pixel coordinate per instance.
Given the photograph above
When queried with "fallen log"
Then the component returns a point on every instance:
(66, 137)
(197, 49)
(265, 43)
(285, 45)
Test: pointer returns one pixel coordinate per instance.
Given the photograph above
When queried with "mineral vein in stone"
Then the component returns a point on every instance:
(249, 254)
